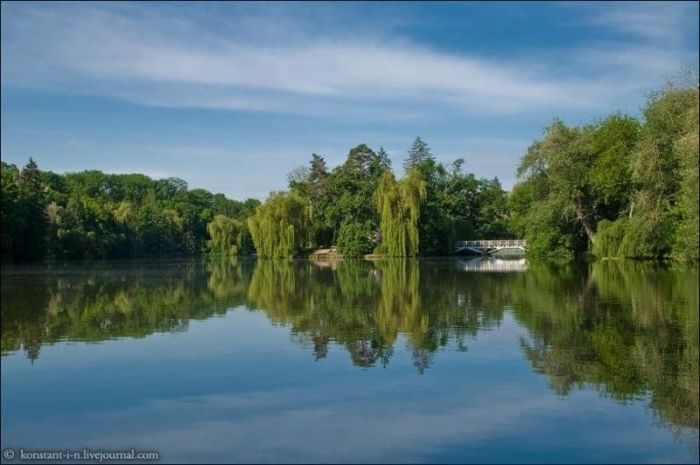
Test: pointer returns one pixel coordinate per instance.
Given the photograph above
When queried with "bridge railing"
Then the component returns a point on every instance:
(492, 244)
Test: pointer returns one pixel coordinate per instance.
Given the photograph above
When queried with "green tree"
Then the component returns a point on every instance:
(91, 214)
(662, 217)
(226, 235)
(351, 188)
(419, 156)
(572, 179)
(279, 227)
(399, 207)
(29, 242)
(11, 219)
(492, 214)
(356, 239)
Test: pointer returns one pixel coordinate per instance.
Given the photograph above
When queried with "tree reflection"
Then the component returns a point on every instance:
(106, 302)
(364, 306)
(628, 330)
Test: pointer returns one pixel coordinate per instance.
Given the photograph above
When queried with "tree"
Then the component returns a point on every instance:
(298, 178)
(364, 161)
(565, 156)
(91, 214)
(356, 239)
(350, 190)
(29, 242)
(578, 176)
(664, 164)
(11, 219)
(398, 205)
(279, 227)
(435, 226)
(226, 235)
(419, 155)
(613, 141)
(662, 217)
(318, 174)
(492, 211)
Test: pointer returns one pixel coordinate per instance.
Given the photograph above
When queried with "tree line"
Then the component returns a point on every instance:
(360, 207)
(91, 214)
(618, 187)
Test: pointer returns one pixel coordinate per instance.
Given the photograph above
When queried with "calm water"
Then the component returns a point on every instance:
(396, 361)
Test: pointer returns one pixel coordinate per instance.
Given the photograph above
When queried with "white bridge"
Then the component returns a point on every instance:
(491, 246)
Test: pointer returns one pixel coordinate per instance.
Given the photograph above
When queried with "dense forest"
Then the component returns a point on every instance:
(96, 215)
(618, 187)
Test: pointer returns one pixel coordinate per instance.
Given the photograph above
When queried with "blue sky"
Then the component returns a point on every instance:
(233, 96)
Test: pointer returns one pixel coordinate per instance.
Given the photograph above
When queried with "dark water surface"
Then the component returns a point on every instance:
(390, 361)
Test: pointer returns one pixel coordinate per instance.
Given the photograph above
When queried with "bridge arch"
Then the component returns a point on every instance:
(491, 246)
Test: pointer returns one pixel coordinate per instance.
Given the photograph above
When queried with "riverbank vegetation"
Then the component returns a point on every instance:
(96, 215)
(617, 187)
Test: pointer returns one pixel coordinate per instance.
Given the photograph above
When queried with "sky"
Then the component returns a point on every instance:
(231, 97)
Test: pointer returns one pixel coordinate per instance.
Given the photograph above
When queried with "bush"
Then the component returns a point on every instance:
(354, 239)
(609, 238)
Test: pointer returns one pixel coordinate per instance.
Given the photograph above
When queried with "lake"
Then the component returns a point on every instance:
(431, 360)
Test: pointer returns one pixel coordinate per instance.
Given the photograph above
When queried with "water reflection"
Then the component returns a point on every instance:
(627, 330)
(493, 264)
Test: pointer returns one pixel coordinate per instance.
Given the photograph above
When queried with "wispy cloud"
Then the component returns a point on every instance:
(654, 21)
(178, 62)
(280, 80)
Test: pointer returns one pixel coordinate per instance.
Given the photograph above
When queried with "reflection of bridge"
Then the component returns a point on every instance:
(491, 264)
(490, 247)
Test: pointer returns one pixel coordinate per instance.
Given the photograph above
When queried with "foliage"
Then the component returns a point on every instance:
(24, 223)
(448, 205)
(91, 214)
(356, 239)
(663, 212)
(610, 236)
(419, 156)
(279, 226)
(398, 204)
(560, 162)
(665, 168)
(226, 235)
(616, 188)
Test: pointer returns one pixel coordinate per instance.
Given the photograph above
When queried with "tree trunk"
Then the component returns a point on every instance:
(586, 226)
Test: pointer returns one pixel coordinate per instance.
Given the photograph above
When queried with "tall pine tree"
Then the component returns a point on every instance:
(30, 243)
(418, 155)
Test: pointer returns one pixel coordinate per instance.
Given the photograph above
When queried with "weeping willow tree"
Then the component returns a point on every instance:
(398, 205)
(226, 235)
(279, 226)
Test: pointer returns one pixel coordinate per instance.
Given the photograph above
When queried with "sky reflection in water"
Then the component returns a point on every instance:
(398, 361)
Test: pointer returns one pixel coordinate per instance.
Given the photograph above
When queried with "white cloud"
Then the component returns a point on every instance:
(174, 62)
(654, 21)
